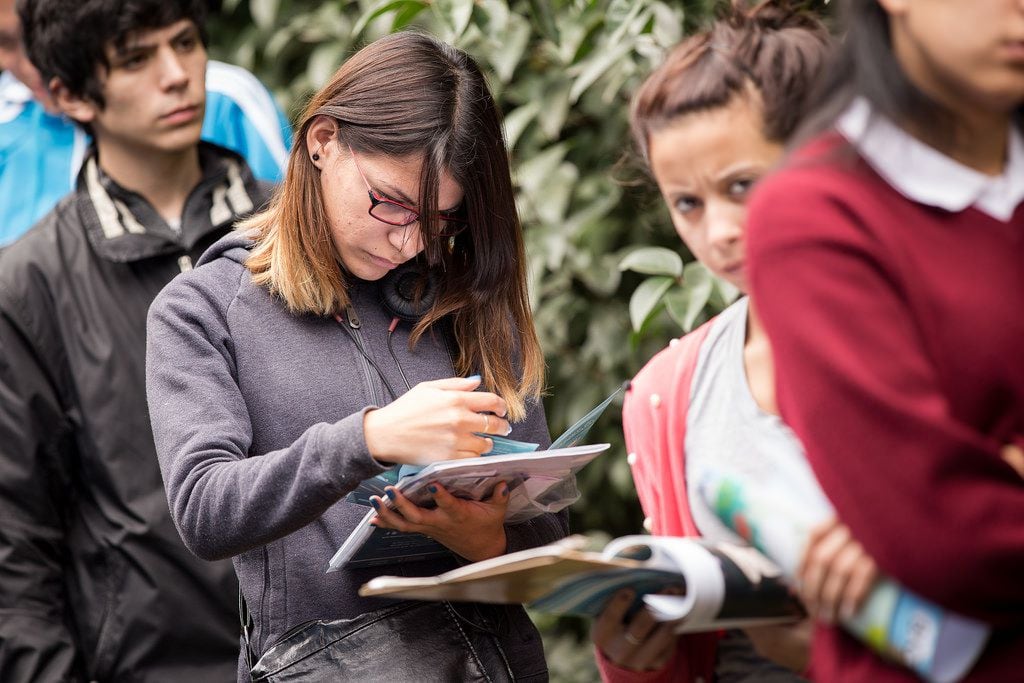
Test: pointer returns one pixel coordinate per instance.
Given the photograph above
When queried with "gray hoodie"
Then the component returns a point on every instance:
(257, 415)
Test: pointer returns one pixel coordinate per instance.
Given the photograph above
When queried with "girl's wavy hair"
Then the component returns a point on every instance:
(410, 94)
(775, 49)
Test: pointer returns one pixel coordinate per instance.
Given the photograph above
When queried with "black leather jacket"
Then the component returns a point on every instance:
(95, 583)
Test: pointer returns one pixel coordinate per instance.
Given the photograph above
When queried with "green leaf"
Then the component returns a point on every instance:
(684, 304)
(723, 294)
(646, 298)
(533, 172)
(601, 276)
(517, 121)
(455, 15)
(668, 25)
(653, 261)
(552, 198)
(554, 110)
(324, 61)
(594, 67)
(509, 49)
(498, 16)
(544, 19)
(382, 7)
(264, 13)
(406, 15)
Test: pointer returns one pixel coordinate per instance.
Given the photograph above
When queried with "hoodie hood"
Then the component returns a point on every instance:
(234, 246)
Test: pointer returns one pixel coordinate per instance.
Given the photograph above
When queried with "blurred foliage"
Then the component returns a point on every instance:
(610, 281)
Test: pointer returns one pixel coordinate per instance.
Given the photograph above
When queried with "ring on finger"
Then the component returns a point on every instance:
(631, 639)
(487, 421)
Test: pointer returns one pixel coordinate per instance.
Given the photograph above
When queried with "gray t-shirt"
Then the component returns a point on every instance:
(726, 429)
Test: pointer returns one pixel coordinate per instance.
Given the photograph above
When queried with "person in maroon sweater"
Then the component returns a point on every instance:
(887, 264)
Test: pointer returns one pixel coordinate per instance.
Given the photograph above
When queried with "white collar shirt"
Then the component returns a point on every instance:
(925, 175)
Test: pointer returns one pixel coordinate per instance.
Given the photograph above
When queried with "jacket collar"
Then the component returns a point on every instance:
(924, 175)
(14, 95)
(123, 226)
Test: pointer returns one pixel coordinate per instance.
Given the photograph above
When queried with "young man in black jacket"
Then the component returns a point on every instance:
(95, 583)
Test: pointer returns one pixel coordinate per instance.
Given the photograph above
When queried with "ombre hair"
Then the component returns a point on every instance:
(409, 94)
(774, 50)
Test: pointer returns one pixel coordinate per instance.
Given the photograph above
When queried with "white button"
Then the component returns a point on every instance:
(631, 458)
(655, 400)
(648, 524)
(674, 342)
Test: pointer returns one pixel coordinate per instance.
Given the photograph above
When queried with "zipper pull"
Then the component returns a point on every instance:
(353, 319)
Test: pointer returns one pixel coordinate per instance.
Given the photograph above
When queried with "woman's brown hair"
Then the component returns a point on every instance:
(409, 94)
(774, 49)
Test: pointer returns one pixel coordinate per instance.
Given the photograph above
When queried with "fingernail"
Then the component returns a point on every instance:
(432, 488)
(508, 431)
(390, 493)
(375, 503)
(476, 377)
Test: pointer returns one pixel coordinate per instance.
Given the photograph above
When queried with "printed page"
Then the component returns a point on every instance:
(530, 476)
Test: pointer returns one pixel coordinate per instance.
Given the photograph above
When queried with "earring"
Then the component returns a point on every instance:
(316, 157)
(451, 244)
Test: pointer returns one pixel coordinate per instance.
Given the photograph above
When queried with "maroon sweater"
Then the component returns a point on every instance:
(898, 336)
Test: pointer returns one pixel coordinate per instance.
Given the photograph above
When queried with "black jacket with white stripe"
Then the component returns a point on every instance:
(95, 583)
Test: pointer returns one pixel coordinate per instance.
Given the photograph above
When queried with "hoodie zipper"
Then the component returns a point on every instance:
(353, 325)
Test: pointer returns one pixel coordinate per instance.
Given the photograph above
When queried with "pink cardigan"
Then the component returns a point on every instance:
(654, 419)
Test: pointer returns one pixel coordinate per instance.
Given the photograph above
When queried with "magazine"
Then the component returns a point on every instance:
(722, 585)
(543, 481)
(546, 488)
(501, 446)
(774, 515)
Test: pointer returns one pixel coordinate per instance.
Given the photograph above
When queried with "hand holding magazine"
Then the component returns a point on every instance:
(723, 585)
(538, 481)
(777, 516)
(535, 482)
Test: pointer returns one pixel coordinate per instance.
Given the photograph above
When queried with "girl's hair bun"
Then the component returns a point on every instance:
(772, 15)
(774, 47)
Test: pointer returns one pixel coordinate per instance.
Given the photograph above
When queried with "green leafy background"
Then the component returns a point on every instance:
(610, 281)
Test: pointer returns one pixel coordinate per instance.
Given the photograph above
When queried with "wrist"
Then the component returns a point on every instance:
(373, 436)
(496, 545)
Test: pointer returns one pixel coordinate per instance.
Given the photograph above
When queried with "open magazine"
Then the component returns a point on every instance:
(721, 585)
(777, 514)
(538, 481)
(531, 478)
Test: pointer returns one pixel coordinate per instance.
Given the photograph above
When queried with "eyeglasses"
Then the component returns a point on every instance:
(396, 213)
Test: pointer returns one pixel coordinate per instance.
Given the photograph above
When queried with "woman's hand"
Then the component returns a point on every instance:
(1014, 457)
(474, 529)
(436, 420)
(789, 645)
(836, 574)
(641, 644)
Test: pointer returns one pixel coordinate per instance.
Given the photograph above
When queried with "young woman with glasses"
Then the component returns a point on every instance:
(274, 390)
(887, 263)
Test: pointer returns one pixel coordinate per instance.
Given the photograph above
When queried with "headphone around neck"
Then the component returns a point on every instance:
(408, 291)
